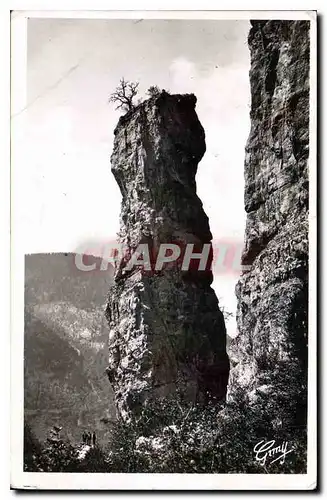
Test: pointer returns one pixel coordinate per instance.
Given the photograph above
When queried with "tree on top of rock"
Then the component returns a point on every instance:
(124, 95)
(153, 91)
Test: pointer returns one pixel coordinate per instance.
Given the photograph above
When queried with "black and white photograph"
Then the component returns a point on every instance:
(163, 223)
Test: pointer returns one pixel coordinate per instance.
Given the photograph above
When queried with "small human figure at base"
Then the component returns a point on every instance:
(94, 438)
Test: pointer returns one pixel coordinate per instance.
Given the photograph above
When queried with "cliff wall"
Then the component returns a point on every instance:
(270, 353)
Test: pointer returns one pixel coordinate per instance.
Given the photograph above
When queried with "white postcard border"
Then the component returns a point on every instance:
(20, 479)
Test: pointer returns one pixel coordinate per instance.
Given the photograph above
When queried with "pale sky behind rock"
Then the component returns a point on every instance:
(73, 66)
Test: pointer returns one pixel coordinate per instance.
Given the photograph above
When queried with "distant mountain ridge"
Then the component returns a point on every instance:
(65, 345)
(53, 276)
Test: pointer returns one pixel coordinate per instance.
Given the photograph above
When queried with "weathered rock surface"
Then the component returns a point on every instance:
(273, 293)
(167, 332)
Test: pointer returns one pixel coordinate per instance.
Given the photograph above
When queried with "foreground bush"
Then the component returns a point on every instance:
(174, 436)
(58, 455)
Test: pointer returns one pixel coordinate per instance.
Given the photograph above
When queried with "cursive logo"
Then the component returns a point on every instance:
(267, 449)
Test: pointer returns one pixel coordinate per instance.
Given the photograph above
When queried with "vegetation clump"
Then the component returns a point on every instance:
(174, 436)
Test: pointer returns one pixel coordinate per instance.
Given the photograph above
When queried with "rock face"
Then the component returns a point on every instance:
(167, 332)
(271, 349)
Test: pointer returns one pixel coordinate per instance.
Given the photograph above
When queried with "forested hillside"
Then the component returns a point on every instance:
(65, 346)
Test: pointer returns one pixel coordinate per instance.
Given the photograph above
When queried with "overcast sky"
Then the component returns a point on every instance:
(73, 66)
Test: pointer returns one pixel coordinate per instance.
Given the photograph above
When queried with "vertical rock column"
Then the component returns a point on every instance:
(271, 349)
(167, 332)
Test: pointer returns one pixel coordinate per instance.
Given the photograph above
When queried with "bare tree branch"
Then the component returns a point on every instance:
(124, 94)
